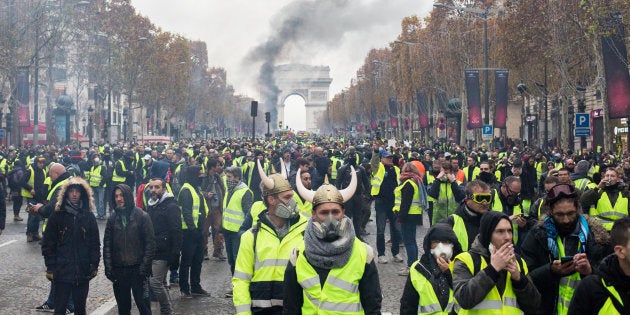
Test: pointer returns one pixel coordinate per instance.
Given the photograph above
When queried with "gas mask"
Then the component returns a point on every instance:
(330, 229)
(287, 211)
(443, 250)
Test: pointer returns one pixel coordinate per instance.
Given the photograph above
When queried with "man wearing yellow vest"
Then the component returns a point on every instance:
(333, 272)
(466, 219)
(608, 202)
(565, 247)
(96, 179)
(265, 248)
(194, 209)
(507, 199)
(446, 192)
(33, 190)
(491, 278)
(607, 292)
(471, 171)
(237, 203)
(429, 287)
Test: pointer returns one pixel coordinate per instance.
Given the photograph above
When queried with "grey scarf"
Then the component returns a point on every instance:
(73, 209)
(327, 255)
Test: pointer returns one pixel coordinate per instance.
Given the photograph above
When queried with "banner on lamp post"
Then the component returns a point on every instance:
(473, 98)
(615, 57)
(22, 93)
(423, 113)
(500, 109)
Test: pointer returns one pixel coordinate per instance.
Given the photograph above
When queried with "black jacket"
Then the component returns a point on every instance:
(590, 295)
(130, 245)
(538, 258)
(49, 207)
(471, 222)
(71, 245)
(167, 227)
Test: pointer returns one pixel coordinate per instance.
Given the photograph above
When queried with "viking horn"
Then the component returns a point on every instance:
(307, 194)
(348, 192)
(267, 182)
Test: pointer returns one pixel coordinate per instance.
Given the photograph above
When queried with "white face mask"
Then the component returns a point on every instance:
(443, 250)
(97, 161)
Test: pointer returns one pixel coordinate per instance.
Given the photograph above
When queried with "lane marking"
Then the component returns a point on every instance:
(8, 243)
(105, 308)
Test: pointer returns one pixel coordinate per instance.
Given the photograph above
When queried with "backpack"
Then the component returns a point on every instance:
(15, 178)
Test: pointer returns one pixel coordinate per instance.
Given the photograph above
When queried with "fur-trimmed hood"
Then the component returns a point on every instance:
(87, 195)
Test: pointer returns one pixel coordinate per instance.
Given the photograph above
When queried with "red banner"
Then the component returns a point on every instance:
(473, 98)
(500, 109)
(22, 94)
(615, 56)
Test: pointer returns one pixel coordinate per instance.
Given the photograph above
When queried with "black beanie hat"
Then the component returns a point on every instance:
(489, 222)
(441, 232)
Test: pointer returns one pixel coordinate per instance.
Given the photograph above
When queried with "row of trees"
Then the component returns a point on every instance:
(105, 51)
(560, 38)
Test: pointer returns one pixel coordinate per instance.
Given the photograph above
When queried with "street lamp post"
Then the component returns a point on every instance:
(483, 14)
(581, 107)
(125, 123)
(90, 110)
(522, 88)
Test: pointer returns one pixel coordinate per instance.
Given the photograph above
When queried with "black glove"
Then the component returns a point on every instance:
(110, 275)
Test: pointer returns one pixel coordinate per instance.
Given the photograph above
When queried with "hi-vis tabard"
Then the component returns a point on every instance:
(606, 214)
(415, 207)
(195, 206)
(377, 179)
(429, 303)
(117, 178)
(233, 214)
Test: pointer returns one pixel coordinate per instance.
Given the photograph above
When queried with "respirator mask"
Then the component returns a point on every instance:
(330, 229)
(287, 211)
(443, 250)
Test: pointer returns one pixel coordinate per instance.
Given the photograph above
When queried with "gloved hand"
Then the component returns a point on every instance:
(110, 275)
(49, 275)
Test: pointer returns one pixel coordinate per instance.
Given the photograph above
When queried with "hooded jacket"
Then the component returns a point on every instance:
(167, 227)
(538, 257)
(128, 244)
(71, 244)
(47, 209)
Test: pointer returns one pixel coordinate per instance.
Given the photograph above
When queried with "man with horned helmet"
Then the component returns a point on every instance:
(265, 248)
(333, 272)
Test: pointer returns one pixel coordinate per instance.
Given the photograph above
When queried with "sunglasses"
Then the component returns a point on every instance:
(561, 190)
(481, 198)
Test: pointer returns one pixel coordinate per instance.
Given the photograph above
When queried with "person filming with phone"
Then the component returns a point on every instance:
(608, 202)
(563, 248)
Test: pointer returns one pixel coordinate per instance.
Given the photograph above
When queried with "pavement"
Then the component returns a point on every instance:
(24, 286)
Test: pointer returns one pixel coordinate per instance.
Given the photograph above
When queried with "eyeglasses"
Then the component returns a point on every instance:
(481, 198)
(561, 190)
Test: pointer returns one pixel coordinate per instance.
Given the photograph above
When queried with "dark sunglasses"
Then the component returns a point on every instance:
(561, 190)
(481, 198)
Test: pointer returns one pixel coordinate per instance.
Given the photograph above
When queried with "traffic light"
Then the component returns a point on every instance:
(267, 116)
(9, 121)
(254, 109)
(280, 124)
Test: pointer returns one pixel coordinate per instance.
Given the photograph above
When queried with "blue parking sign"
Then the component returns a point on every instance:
(582, 120)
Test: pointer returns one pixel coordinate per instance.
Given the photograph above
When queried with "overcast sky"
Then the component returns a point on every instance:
(337, 33)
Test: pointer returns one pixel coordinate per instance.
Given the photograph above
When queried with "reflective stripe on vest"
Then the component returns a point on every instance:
(115, 177)
(95, 176)
(233, 214)
(31, 182)
(428, 303)
(459, 227)
(609, 308)
(377, 179)
(606, 214)
(340, 293)
(195, 206)
(415, 201)
(493, 303)
(567, 284)
(430, 179)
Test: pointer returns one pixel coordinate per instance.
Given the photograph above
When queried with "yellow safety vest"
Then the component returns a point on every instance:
(497, 205)
(377, 179)
(493, 303)
(334, 168)
(609, 308)
(306, 207)
(539, 169)
(430, 179)
(257, 208)
(583, 183)
(340, 293)
(459, 227)
(567, 286)
(115, 176)
(475, 173)
(49, 196)
(428, 303)
(195, 206)
(415, 201)
(95, 176)
(260, 265)
(606, 214)
(31, 182)
(233, 214)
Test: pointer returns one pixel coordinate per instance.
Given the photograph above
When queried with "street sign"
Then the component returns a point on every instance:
(487, 132)
(582, 120)
(1, 133)
(582, 125)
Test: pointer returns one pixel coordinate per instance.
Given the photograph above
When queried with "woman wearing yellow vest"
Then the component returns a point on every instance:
(490, 278)
(429, 287)
(333, 272)
(607, 292)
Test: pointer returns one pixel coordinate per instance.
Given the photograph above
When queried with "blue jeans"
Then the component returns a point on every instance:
(99, 195)
(409, 239)
(232, 242)
(190, 264)
(32, 223)
(51, 299)
(383, 213)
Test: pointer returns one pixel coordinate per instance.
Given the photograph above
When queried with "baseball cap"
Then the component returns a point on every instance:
(386, 154)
